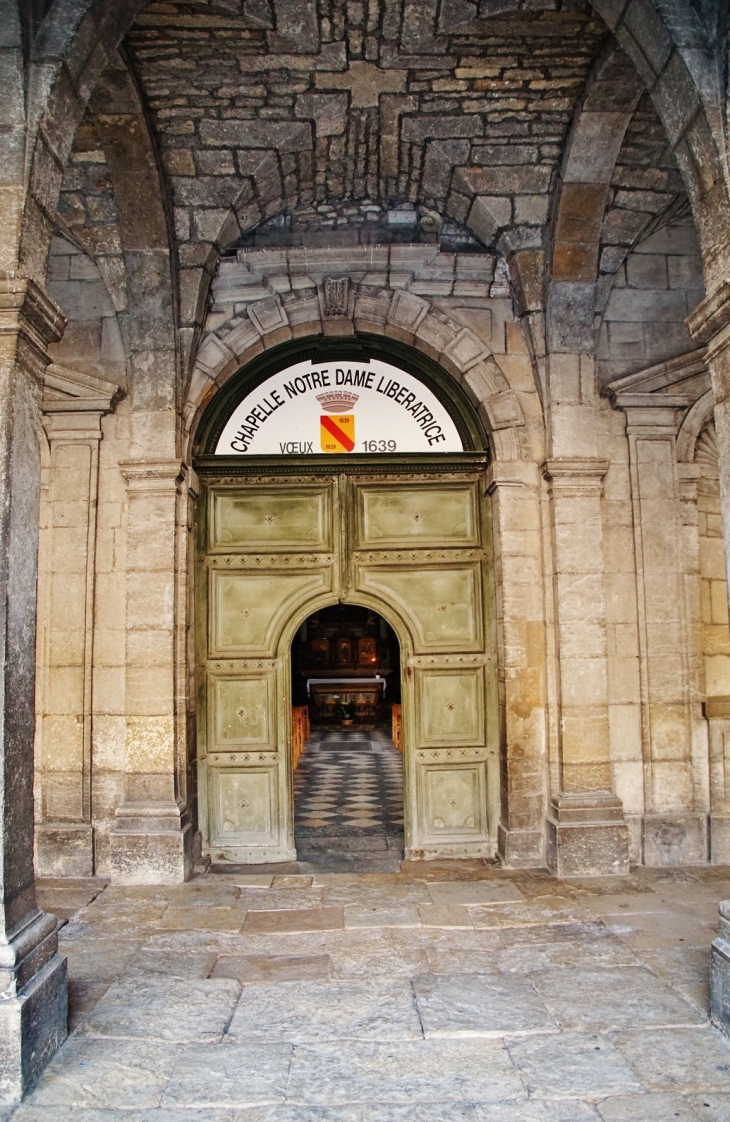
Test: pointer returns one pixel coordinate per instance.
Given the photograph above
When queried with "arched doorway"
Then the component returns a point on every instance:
(404, 536)
(346, 742)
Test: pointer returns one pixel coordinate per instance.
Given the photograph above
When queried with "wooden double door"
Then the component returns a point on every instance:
(413, 545)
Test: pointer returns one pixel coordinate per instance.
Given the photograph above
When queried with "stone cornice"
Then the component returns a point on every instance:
(711, 315)
(24, 305)
(574, 477)
(70, 391)
(31, 318)
(154, 475)
(651, 388)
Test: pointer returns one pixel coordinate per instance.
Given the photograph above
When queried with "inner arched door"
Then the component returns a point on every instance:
(410, 547)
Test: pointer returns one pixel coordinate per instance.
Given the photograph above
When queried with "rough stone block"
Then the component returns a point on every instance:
(64, 850)
(287, 136)
(675, 839)
(587, 836)
(328, 110)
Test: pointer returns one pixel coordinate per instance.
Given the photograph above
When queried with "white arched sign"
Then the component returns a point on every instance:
(339, 407)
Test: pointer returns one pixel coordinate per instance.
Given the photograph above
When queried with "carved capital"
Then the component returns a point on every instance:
(160, 476)
(74, 403)
(573, 478)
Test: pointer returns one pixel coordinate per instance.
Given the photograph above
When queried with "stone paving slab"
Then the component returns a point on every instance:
(106, 1073)
(448, 893)
(407, 1072)
(572, 1065)
(229, 1074)
(295, 919)
(307, 1011)
(469, 1005)
(711, 1107)
(647, 1108)
(29, 1113)
(253, 969)
(173, 1009)
(678, 1059)
(565, 1111)
(608, 998)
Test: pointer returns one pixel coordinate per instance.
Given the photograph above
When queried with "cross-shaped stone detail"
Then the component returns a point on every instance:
(365, 81)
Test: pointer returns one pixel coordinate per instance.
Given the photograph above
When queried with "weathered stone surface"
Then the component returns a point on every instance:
(412, 1072)
(309, 1011)
(468, 1005)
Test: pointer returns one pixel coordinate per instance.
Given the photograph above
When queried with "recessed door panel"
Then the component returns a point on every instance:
(454, 802)
(242, 712)
(272, 519)
(442, 605)
(450, 705)
(248, 609)
(427, 516)
(244, 806)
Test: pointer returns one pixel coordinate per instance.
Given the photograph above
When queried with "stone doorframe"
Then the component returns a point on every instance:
(512, 416)
(256, 585)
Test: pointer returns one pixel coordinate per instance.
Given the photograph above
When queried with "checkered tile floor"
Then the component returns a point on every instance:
(348, 801)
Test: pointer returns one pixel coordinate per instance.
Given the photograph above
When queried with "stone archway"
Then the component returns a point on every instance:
(409, 539)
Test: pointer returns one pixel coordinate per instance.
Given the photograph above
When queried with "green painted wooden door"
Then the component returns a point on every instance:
(412, 547)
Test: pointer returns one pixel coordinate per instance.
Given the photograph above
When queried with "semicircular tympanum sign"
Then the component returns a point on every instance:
(340, 407)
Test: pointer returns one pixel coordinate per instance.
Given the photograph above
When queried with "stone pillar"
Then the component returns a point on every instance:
(586, 831)
(152, 839)
(514, 490)
(32, 973)
(73, 406)
(674, 830)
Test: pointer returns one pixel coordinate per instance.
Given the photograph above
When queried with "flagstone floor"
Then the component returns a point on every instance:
(444, 992)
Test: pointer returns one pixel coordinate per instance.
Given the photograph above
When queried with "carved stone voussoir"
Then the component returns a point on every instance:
(336, 295)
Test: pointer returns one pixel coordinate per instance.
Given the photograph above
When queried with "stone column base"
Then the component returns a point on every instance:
(34, 1009)
(152, 843)
(675, 839)
(720, 971)
(587, 835)
(521, 849)
(64, 850)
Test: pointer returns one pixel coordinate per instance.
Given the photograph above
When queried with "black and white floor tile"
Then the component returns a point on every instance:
(348, 801)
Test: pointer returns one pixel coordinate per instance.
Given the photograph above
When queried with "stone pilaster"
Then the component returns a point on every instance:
(709, 324)
(32, 973)
(674, 826)
(152, 839)
(73, 406)
(586, 831)
(514, 491)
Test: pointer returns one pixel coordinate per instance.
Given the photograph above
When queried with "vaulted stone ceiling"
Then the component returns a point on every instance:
(284, 107)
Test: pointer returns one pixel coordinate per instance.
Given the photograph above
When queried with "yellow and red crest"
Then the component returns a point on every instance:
(337, 434)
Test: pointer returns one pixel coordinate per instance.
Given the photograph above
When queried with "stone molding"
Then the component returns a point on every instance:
(73, 404)
(660, 385)
(280, 296)
(711, 315)
(163, 476)
(574, 477)
(26, 308)
(70, 391)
